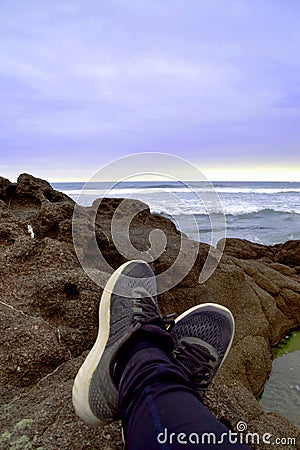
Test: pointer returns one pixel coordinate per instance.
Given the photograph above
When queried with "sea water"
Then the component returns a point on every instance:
(282, 389)
(262, 212)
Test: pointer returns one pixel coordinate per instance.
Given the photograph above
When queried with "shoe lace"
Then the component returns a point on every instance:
(145, 310)
(196, 360)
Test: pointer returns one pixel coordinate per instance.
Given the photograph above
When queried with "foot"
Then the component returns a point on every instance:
(203, 336)
(128, 302)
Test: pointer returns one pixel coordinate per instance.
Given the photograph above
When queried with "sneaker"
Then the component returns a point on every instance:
(128, 302)
(203, 336)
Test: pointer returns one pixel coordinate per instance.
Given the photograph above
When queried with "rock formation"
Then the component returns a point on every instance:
(49, 320)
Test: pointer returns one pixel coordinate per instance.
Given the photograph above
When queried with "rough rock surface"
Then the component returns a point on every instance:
(49, 320)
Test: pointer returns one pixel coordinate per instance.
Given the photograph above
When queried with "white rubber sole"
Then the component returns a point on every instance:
(80, 391)
(213, 306)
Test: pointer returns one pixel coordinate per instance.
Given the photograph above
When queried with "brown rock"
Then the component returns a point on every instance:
(29, 347)
(288, 253)
(242, 249)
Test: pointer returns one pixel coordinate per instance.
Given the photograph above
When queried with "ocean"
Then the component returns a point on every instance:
(262, 212)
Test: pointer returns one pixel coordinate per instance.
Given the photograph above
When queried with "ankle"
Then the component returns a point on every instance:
(149, 336)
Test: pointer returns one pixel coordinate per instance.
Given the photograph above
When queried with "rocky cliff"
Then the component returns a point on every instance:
(49, 320)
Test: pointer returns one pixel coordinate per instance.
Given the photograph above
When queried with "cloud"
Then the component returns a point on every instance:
(110, 78)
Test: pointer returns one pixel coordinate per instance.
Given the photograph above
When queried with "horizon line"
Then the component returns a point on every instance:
(176, 181)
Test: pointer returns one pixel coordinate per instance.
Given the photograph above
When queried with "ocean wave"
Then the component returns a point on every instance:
(238, 190)
(242, 212)
(147, 190)
(123, 191)
(155, 185)
(261, 211)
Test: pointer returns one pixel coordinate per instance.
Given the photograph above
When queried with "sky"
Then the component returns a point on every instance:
(84, 82)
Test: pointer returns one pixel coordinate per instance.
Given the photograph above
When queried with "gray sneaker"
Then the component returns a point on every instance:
(203, 336)
(128, 302)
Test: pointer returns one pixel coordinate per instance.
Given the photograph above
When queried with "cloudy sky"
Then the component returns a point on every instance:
(83, 82)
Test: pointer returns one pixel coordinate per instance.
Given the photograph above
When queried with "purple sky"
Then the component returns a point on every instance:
(215, 82)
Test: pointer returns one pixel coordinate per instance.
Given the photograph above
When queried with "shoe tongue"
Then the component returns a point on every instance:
(201, 343)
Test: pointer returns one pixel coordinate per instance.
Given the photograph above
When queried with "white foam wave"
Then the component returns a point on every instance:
(128, 191)
(233, 211)
(240, 190)
(187, 189)
(165, 200)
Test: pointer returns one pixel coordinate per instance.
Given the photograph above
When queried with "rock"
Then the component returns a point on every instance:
(30, 348)
(49, 309)
(288, 253)
(242, 249)
(26, 196)
(43, 417)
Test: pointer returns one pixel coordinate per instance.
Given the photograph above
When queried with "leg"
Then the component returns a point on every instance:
(132, 369)
(159, 408)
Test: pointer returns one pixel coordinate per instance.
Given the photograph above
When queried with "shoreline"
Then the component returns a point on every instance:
(261, 212)
(47, 300)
